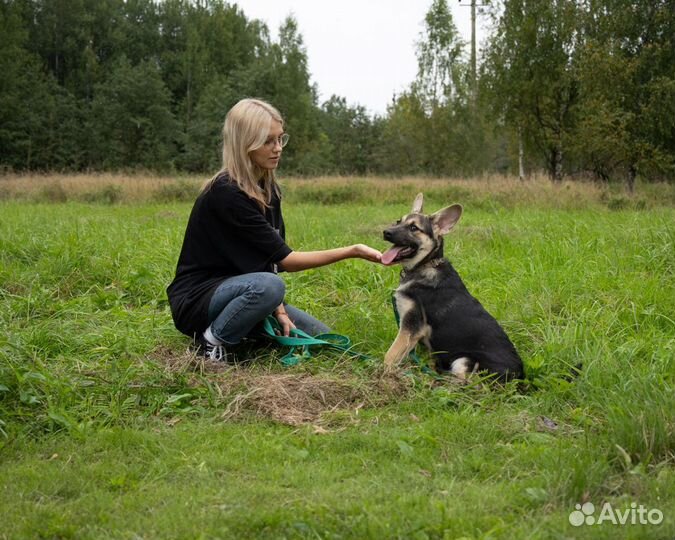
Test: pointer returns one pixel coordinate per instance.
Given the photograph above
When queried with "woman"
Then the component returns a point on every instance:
(226, 279)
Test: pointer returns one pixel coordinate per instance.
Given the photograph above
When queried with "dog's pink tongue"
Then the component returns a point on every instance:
(389, 255)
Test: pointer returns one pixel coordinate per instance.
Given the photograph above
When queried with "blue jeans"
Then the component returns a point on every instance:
(241, 303)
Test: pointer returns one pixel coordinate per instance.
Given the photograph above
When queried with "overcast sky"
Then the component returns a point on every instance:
(362, 50)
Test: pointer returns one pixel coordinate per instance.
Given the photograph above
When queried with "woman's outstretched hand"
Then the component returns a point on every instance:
(302, 260)
(363, 251)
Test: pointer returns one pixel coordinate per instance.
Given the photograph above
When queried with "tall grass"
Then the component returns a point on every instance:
(488, 192)
(109, 428)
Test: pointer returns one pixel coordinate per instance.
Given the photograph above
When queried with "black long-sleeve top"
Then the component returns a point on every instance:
(228, 234)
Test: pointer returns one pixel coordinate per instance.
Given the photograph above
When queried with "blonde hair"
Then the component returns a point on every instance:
(246, 128)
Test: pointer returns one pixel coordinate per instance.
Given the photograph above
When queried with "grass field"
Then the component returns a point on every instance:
(109, 428)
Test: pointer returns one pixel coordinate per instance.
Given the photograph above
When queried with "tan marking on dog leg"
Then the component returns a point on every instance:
(405, 340)
(403, 344)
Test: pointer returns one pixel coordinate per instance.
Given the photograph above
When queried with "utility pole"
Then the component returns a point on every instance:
(473, 6)
(473, 43)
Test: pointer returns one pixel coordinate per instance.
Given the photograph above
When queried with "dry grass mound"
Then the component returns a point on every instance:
(294, 396)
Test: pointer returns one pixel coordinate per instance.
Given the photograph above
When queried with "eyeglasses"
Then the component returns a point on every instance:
(281, 140)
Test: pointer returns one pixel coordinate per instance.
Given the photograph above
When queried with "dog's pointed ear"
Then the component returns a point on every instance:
(444, 220)
(418, 203)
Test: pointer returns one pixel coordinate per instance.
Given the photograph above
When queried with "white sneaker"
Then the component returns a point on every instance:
(208, 350)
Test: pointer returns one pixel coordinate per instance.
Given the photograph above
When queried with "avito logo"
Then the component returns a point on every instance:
(584, 514)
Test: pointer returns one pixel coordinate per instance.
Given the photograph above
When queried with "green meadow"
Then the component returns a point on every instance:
(111, 428)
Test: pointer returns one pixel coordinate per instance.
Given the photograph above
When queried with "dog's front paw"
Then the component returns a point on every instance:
(391, 362)
(389, 371)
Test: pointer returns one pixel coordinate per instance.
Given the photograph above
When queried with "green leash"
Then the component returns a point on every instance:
(300, 342)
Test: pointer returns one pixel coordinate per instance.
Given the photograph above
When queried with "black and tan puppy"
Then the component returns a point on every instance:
(435, 307)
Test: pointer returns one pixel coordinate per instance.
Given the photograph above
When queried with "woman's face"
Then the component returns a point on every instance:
(268, 155)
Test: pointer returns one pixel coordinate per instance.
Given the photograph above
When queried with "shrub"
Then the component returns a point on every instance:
(178, 191)
(54, 193)
(109, 194)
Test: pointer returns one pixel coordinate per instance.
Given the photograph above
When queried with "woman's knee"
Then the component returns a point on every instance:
(270, 287)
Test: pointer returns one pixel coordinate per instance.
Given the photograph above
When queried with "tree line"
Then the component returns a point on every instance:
(577, 88)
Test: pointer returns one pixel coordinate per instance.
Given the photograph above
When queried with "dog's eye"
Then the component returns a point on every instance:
(413, 227)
